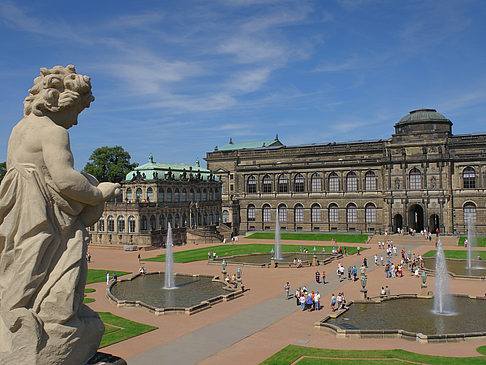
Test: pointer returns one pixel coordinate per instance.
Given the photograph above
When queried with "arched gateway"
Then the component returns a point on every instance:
(416, 217)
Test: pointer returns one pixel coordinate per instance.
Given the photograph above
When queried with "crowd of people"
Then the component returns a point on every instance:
(308, 301)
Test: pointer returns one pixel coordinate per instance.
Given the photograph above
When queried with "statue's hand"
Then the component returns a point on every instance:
(108, 189)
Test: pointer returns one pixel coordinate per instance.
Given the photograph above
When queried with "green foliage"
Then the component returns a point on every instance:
(88, 300)
(456, 254)
(478, 241)
(109, 164)
(118, 329)
(96, 276)
(310, 355)
(199, 254)
(340, 238)
(3, 170)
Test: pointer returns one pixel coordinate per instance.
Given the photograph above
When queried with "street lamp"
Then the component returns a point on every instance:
(409, 254)
(314, 251)
(363, 285)
(238, 275)
(223, 264)
(272, 252)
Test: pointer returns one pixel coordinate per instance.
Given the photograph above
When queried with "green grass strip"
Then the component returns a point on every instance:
(340, 238)
(88, 300)
(89, 290)
(199, 254)
(292, 353)
(96, 276)
(128, 329)
(457, 254)
(478, 241)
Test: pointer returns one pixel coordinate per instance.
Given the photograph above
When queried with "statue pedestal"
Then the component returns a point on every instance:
(272, 262)
(423, 290)
(365, 294)
(314, 261)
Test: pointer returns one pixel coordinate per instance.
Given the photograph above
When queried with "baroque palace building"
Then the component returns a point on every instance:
(154, 195)
(423, 177)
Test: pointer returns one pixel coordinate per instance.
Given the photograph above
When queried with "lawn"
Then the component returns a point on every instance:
(118, 329)
(340, 238)
(96, 276)
(199, 254)
(478, 241)
(456, 254)
(310, 355)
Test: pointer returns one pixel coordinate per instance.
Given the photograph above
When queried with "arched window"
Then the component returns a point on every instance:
(316, 183)
(92, 228)
(315, 213)
(161, 195)
(298, 213)
(469, 213)
(177, 221)
(150, 194)
(251, 185)
(469, 178)
(101, 225)
(299, 183)
(169, 195)
(211, 221)
(169, 221)
(211, 194)
(205, 195)
(129, 194)
(370, 213)
(191, 195)
(119, 197)
(283, 184)
(162, 221)
(143, 223)
(205, 219)
(199, 220)
(131, 224)
(184, 195)
(351, 182)
(225, 216)
(351, 213)
(139, 194)
(120, 224)
(370, 181)
(282, 213)
(184, 220)
(333, 182)
(153, 223)
(251, 213)
(177, 195)
(198, 195)
(216, 218)
(110, 222)
(267, 184)
(216, 194)
(415, 180)
(266, 213)
(333, 213)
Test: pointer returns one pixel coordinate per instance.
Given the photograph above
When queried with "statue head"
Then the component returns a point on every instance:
(58, 89)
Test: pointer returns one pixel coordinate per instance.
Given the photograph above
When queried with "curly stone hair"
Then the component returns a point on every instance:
(57, 89)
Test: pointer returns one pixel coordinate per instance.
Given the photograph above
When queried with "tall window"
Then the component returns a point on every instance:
(316, 183)
(315, 213)
(470, 213)
(225, 216)
(191, 195)
(282, 213)
(131, 224)
(216, 194)
(469, 178)
(333, 182)
(216, 218)
(184, 195)
(298, 213)
(160, 198)
(139, 194)
(169, 195)
(351, 182)
(370, 181)
(177, 221)
(333, 213)
(266, 213)
(351, 213)
(153, 223)
(415, 180)
(267, 184)
(205, 195)
(150, 194)
(120, 224)
(251, 213)
(101, 225)
(299, 184)
(110, 222)
(129, 194)
(169, 221)
(370, 213)
(143, 223)
(283, 184)
(162, 221)
(198, 195)
(210, 194)
(251, 188)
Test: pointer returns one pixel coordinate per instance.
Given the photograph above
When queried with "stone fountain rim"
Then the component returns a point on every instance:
(332, 257)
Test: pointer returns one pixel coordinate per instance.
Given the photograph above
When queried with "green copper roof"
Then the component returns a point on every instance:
(248, 145)
(158, 170)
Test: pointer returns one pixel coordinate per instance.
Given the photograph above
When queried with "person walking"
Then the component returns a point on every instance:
(298, 293)
(323, 277)
(287, 290)
(139, 258)
(107, 278)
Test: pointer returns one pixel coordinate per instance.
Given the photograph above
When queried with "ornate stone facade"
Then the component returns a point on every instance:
(154, 195)
(423, 177)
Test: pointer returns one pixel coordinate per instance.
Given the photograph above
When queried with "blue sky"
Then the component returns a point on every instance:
(177, 78)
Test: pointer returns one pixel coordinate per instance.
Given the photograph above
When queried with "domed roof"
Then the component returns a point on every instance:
(423, 115)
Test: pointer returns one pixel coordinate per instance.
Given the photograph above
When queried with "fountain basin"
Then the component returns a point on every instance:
(457, 268)
(410, 317)
(193, 293)
(265, 259)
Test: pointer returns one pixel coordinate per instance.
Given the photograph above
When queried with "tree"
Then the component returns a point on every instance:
(3, 170)
(109, 164)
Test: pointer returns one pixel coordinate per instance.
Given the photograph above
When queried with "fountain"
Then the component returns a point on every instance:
(169, 261)
(470, 238)
(441, 297)
(277, 256)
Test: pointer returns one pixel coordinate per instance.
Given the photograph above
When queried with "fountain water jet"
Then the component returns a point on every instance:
(277, 256)
(169, 261)
(470, 238)
(441, 297)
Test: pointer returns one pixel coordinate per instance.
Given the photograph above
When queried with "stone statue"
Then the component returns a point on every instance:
(45, 206)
